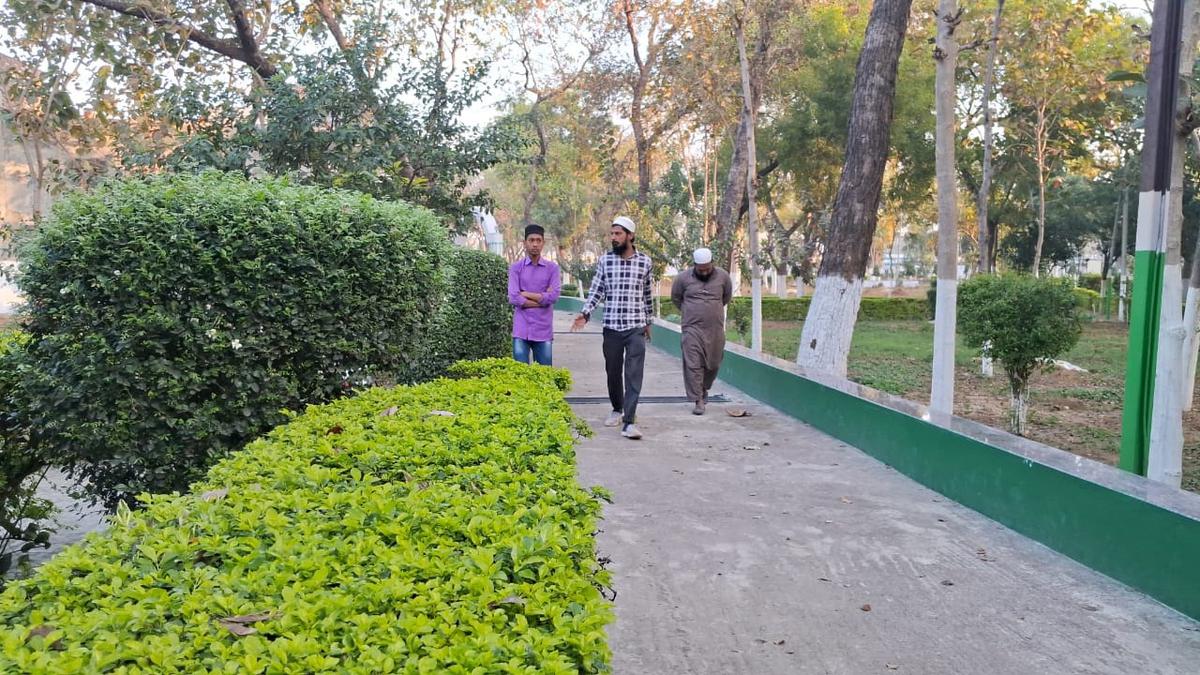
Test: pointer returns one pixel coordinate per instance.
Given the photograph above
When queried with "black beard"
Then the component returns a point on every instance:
(702, 277)
(620, 248)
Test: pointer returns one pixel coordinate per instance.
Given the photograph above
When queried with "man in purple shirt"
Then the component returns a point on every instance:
(533, 286)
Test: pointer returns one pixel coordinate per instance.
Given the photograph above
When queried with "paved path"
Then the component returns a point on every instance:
(759, 545)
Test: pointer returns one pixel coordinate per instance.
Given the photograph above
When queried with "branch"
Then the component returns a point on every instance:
(245, 33)
(227, 48)
(335, 29)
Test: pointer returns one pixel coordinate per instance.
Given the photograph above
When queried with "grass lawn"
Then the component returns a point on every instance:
(1079, 412)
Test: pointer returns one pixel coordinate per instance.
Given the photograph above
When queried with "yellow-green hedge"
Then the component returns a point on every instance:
(428, 529)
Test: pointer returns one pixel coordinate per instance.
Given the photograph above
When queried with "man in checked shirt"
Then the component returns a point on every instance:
(622, 283)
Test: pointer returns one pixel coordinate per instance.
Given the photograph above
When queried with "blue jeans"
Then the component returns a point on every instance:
(542, 351)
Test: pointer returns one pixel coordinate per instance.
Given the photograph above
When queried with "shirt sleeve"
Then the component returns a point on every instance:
(597, 292)
(552, 293)
(514, 287)
(677, 291)
(647, 294)
(727, 290)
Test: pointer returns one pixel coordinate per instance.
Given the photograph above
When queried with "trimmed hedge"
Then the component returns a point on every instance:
(1087, 300)
(428, 529)
(24, 517)
(871, 309)
(171, 319)
(475, 321)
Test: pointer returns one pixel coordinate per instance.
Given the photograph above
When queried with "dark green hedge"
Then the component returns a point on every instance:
(429, 529)
(172, 319)
(476, 320)
(871, 309)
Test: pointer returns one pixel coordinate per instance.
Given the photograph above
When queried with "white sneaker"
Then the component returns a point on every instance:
(614, 418)
(631, 432)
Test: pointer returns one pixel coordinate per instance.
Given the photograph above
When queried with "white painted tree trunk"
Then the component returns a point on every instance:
(829, 326)
(781, 286)
(1018, 414)
(987, 366)
(941, 398)
(1191, 343)
(1124, 266)
(1165, 462)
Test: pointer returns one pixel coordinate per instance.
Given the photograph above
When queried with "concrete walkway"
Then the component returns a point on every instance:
(758, 545)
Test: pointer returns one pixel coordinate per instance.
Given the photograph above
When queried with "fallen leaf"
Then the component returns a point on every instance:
(510, 600)
(214, 495)
(751, 447)
(947, 582)
(865, 608)
(780, 642)
(1091, 608)
(441, 413)
(41, 631)
(238, 629)
(892, 666)
(738, 412)
(335, 429)
(824, 579)
(249, 618)
(847, 500)
(390, 411)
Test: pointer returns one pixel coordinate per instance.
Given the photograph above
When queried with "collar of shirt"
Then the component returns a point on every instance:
(529, 261)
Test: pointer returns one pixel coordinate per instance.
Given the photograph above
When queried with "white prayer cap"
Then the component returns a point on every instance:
(702, 256)
(624, 222)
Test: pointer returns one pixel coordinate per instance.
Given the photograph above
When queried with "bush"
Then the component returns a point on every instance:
(570, 290)
(437, 528)
(24, 518)
(1087, 300)
(172, 319)
(1091, 282)
(1027, 321)
(475, 321)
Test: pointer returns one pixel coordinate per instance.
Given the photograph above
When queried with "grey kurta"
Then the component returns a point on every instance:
(702, 304)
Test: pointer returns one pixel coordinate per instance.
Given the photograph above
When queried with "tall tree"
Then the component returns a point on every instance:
(825, 340)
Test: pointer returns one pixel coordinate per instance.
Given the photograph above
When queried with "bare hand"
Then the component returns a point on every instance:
(579, 323)
(647, 331)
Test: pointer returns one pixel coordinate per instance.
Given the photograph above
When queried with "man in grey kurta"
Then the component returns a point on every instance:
(701, 294)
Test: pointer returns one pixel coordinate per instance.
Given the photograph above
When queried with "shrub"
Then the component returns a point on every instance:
(1087, 300)
(431, 529)
(1027, 322)
(570, 290)
(475, 321)
(1093, 282)
(24, 517)
(172, 319)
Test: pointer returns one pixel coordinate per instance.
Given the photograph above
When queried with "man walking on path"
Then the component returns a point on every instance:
(701, 295)
(533, 286)
(622, 283)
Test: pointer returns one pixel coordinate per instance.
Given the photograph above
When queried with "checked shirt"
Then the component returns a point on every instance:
(624, 288)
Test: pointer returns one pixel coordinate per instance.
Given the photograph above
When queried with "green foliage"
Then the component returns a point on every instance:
(1087, 300)
(23, 516)
(1027, 321)
(871, 309)
(474, 322)
(429, 529)
(570, 290)
(173, 319)
(1090, 281)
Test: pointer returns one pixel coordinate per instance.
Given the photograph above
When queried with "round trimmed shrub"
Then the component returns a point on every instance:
(173, 319)
(475, 321)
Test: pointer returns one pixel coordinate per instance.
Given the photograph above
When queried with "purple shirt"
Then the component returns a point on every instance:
(535, 324)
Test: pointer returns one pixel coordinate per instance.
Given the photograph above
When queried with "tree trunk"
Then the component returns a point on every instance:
(1040, 142)
(1190, 341)
(1123, 264)
(825, 342)
(941, 399)
(986, 265)
(749, 104)
(1018, 415)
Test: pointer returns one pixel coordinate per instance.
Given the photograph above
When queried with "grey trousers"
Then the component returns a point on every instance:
(624, 354)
